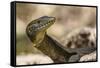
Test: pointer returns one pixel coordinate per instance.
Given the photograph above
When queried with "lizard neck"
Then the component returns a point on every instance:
(50, 48)
(38, 38)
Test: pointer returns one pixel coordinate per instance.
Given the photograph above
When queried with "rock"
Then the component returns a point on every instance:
(33, 59)
(88, 57)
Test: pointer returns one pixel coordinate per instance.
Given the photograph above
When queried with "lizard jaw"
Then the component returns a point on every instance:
(45, 26)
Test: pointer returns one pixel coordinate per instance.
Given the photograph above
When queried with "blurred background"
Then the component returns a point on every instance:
(68, 18)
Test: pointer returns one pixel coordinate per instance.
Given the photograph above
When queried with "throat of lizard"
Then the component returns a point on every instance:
(39, 38)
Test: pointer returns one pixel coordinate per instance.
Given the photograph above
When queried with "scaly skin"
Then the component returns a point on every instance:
(36, 31)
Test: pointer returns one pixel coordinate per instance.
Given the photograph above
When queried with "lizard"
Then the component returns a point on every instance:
(36, 30)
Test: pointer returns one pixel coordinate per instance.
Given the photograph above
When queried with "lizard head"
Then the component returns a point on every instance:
(36, 29)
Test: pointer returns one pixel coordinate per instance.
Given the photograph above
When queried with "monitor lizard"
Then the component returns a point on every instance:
(36, 30)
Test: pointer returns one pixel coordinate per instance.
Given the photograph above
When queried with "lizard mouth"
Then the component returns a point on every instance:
(39, 25)
(46, 25)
